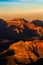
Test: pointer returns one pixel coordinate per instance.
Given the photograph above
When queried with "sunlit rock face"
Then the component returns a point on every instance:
(24, 51)
(20, 22)
(21, 41)
(20, 28)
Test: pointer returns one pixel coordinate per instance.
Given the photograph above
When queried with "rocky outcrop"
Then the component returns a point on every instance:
(28, 51)
(21, 41)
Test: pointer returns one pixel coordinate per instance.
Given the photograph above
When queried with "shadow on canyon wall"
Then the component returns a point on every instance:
(15, 33)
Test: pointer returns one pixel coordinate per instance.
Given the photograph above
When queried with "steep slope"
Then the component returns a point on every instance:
(38, 22)
(20, 29)
(20, 42)
(31, 51)
(20, 23)
(23, 53)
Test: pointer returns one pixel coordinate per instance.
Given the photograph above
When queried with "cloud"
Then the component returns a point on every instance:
(22, 0)
(25, 0)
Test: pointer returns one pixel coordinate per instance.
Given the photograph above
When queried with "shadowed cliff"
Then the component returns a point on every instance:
(21, 42)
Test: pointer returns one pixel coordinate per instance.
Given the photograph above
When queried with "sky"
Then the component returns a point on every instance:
(31, 9)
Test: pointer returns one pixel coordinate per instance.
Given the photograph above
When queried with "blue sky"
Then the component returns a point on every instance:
(20, 4)
(20, 0)
(9, 0)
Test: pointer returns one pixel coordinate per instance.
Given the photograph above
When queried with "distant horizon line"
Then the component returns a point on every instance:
(19, 18)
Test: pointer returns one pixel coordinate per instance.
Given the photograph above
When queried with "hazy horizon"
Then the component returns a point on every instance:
(29, 9)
